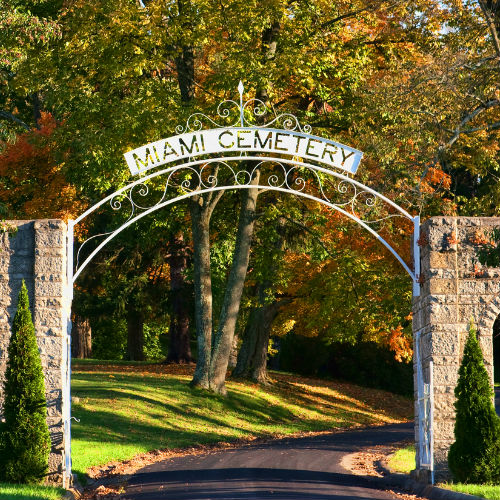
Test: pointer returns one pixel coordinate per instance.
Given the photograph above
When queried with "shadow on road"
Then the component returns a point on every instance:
(307, 468)
(289, 484)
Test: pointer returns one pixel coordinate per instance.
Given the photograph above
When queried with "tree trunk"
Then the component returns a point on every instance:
(252, 358)
(202, 291)
(233, 356)
(231, 304)
(81, 338)
(179, 350)
(135, 335)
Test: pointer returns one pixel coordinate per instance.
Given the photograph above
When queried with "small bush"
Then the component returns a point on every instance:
(24, 436)
(474, 457)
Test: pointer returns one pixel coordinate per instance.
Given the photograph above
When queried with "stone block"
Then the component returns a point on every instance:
(47, 317)
(21, 242)
(47, 289)
(445, 343)
(471, 287)
(53, 379)
(48, 277)
(444, 431)
(51, 346)
(50, 233)
(442, 260)
(441, 286)
(51, 331)
(49, 264)
(444, 408)
(446, 375)
(441, 313)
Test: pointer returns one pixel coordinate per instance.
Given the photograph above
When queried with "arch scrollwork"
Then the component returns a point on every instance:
(162, 188)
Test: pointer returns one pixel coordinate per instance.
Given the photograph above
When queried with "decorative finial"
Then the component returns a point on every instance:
(241, 88)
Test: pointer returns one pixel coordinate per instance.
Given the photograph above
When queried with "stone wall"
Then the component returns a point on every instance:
(37, 254)
(455, 289)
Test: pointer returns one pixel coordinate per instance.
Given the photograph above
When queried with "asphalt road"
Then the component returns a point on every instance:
(293, 469)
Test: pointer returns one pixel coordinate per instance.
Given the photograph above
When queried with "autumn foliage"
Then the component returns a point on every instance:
(33, 183)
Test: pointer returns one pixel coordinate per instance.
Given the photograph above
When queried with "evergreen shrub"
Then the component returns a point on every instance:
(24, 436)
(474, 457)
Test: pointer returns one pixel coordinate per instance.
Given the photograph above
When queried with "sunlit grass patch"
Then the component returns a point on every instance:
(403, 460)
(29, 492)
(481, 490)
(126, 410)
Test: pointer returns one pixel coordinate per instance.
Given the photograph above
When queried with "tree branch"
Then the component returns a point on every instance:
(10, 116)
(490, 21)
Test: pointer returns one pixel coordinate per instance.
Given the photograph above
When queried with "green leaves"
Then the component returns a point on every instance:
(24, 437)
(474, 457)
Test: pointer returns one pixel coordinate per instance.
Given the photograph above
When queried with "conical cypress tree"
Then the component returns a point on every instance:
(24, 437)
(474, 457)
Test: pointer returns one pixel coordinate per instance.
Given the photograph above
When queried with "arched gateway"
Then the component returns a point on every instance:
(277, 156)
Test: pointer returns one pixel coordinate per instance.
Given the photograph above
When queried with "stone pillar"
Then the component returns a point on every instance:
(454, 289)
(36, 253)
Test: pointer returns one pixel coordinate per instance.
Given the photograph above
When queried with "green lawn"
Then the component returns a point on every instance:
(480, 490)
(23, 492)
(403, 460)
(128, 409)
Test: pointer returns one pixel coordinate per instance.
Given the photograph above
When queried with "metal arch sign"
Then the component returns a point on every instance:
(243, 139)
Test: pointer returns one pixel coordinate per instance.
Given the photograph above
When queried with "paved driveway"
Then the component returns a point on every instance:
(293, 469)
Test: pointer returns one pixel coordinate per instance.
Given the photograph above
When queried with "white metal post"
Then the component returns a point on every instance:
(416, 255)
(67, 388)
(431, 418)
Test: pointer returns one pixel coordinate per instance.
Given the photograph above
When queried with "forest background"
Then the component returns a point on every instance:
(235, 278)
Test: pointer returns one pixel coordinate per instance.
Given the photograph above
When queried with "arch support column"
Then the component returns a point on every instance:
(35, 251)
(454, 289)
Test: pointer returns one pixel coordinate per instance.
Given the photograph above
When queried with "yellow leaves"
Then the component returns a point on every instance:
(281, 328)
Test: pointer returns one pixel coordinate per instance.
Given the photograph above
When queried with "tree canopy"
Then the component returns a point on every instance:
(412, 84)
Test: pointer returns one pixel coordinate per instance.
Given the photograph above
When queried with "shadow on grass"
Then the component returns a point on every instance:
(125, 414)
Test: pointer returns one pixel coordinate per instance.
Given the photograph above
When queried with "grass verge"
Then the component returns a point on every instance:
(25, 492)
(403, 461)
(481, 490)
(127, 409)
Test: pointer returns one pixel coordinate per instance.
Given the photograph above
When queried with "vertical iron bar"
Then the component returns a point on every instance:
(431, 418)
(416, 256)
(240, 90)
(67, 388)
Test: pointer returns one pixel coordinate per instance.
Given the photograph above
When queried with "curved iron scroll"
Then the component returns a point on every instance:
(356, 201)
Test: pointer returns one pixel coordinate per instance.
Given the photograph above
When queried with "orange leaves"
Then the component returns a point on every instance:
(400, 344)
(32, 180)
(435, 178)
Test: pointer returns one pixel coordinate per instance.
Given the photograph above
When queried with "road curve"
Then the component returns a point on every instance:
(293, 469)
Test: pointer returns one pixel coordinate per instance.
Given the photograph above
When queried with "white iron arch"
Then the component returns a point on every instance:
(291, 177)
(291, 165)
